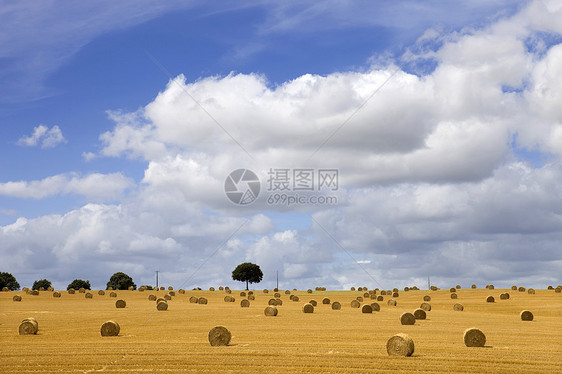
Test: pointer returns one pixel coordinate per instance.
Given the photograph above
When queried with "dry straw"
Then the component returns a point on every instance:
(395, 294)
(452, 289)
(162, 305)
(295, 298)
(366, 309)
(120, 304)
(152, 297)
(195, 300)
(521, 289)
(360, 299)
(56, 294)
(325, 301)
(277, 295)
(420, 314)
(454, 296)
(400, 345)
(514, 288)
(28, 326)
(407, 319)
(427, 298)
(71, 291)
(243, 294)
(474, 338)
(89, 295)
(101, 292)
(458, 307)
(244, 303)
(490, 299)
(308, 308)
(313, 302)
(473, 286)
(309, 291)
(110, 328)
(112, 294)
(219, 336)
(336, 305)
(272, 302)
(82, 290)
(391, 302)
(504, 296)
(287, 292)
(376, 307)
(355, 304)
(211, 288)
(380, 298)
(251, 297)
(202, 301)
(425, 306)
(271, 311)
(526, 315)
(531, 291)
(168, 297)
(16, 298)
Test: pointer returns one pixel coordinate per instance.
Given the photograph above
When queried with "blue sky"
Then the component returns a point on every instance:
(111, 84)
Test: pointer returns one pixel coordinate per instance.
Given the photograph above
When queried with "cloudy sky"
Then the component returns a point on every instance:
(439, 124)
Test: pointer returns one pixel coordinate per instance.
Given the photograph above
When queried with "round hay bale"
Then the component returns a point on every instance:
(295, 298)
(195, 300)
(427, 298)
(271, 311)
(308, 308)
(278, 302)
(366, 309)
(265, 290)
(325, 301)
(490, 299)
(276, 295)
(373, 296)
(221, 288)
(167, 297)
(458, 286)
(243, 294)
(514, 288)
(313, 302)
(336, 305)
(169, 288)
(376, 307)
(383, 292)
(162, 305)
(89, 295)
(521, 289)
(454, 296)
(202, 301)
(504, 296)
(491, 287)
(50, 289)
(406, 289)
(358, 289)
(35, 292)
(407, 319)
(558, 289)
(82, 290)
(360, 299)
(228, 290)
(112, 294)
(172, 293)
(380, 298)
(16, 298)
(355, 304)
(458, 307)
(395, 294)
(474, 338)
(152, 297)
(309, 291)
(526, 315)
(550, 288)
(531, 291)
(272, 302)
(41, 288)
(56, 294)
(287, 292)
(352, 288)
(420, 314)
(28, 326)
(101, 292)
(109, 289)
(251, 297)
(391, 302)
(365, 295)
(453, 289)
(219, 336)
(244, 303)
(400, 345)
(71, 291)
(120, 304)
(110, 328)
(5, 289)
(161, 299)
(473, 286)
(250, 293)
(395, 289)
(426, 307)
(211, 288)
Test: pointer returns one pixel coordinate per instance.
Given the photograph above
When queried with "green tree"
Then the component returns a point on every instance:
(121, 281)
(149, 288)
(78, 284)
(8, 280)
(247, 272)
(41, 283)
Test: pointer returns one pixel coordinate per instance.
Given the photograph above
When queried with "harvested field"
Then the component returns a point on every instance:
(326, 341)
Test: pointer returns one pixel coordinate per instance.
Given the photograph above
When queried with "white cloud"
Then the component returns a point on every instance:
(44, 136)
(98, 187)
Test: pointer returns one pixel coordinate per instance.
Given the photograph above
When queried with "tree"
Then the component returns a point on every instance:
(41, 283)
(121, 281)
(247, 272)
(78, 284)
(8, 280)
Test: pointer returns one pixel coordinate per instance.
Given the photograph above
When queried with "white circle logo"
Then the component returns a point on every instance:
(242, 186)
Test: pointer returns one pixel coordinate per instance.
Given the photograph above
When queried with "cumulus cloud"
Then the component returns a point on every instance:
(44, 136)
(99, 187)
(430, 184)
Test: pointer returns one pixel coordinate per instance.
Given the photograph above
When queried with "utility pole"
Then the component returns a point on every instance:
(157, 279)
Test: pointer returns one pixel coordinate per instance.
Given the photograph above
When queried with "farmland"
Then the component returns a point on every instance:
(325, 341)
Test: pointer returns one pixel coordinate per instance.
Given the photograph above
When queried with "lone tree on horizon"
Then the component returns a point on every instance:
(9, 281)
(121, 281)
(247, 272)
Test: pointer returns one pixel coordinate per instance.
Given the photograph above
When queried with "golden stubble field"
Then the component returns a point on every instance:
(327, 341)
